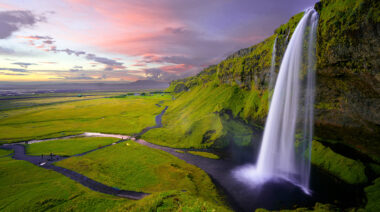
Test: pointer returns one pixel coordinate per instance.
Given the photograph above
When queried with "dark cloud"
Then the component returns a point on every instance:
(70, 52)
(76, 69)
(175, 30)
(37, 37)
(12, 21)
(80, 78)
(161, 75)
(48, 42)
(195, 61)
(6, 51)
(110, 63)
(24, 65)
(14, 69)
(47, 45)
(12, 74)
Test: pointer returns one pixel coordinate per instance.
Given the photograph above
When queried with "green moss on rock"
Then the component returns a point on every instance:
(344, 168)
(373, 196)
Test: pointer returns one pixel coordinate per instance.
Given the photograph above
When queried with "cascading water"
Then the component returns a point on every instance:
(272, 73)
(283, 154)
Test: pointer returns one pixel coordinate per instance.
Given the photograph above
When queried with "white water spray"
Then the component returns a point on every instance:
(281, 156)
(272, 73)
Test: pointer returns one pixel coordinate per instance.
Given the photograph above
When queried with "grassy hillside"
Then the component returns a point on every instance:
(210, 116)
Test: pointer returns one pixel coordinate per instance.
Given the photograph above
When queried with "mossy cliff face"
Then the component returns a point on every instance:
(348, 88)
(348, 77)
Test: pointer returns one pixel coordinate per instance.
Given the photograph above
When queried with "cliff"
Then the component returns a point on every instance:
(347, 108)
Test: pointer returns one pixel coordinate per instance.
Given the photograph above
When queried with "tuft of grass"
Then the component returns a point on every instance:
(348, 170)
(67, 147)
(132, 166)
(110, 115)
(204, 154)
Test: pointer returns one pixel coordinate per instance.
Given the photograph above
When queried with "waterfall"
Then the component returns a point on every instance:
(272, 73)
(283, 154)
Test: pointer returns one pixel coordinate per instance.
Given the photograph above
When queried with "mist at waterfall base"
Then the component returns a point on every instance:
(286, 145)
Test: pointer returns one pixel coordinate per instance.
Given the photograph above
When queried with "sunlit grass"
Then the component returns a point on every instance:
(132, 166)
(195, 118)
(127, 115)
(66, 147)
(204, 154)
(25, 187)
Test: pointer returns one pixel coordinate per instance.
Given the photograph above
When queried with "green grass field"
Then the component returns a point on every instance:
(132, 166)
(4, 152)
(196, 118)
(204, 154)
(174, 185)
(25, 187)
(67, 147)
(126, 115)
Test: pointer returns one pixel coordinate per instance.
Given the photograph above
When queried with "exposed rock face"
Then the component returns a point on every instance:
(348, 86)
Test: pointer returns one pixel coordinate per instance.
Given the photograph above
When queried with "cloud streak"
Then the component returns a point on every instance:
(14, 20)
(24, 65)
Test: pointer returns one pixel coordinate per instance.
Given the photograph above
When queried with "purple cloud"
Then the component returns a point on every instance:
(12, 21)
(24, 65)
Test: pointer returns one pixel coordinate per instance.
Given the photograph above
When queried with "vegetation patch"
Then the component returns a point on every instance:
(204, 154)
(373, 196)
(198, 119)
(174, 201)
(108, 115)
(4, 152)
(132, 166)
(348, 170)
(26, 187)
(67, 147)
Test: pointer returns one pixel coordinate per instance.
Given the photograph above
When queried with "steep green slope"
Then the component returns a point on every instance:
(210, 116)
(348, 88)
(225, 103)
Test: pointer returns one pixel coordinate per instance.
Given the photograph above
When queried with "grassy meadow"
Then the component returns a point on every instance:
(174, 185)
(67, 147)
(25, 187)
(132, 166)
(127, 115)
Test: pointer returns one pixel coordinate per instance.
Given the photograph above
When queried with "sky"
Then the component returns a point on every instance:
(129, 40)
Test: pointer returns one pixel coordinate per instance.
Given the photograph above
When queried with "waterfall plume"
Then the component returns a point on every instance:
(286, 145)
